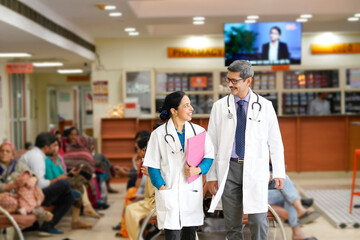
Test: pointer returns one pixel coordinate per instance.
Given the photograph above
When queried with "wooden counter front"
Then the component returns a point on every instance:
(311, 143)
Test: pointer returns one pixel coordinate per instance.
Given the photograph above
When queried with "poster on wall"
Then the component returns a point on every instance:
(355, 78)
(101, 92)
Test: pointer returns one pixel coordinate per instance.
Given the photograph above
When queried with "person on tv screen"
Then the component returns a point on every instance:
(275, 50)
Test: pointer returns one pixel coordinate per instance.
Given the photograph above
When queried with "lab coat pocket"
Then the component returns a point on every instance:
(192, 201)
(165, 200)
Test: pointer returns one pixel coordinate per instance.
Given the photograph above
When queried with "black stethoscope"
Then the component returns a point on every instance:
(172, 137)
(230, 115)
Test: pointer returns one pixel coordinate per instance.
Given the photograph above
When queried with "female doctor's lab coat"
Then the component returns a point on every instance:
(180, 204)
(261, 136)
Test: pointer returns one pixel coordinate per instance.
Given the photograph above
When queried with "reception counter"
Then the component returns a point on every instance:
(311, 143)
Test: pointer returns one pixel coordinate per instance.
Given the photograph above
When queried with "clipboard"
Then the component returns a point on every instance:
(195, 152)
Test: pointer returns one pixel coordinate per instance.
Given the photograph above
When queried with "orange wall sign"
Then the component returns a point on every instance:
(78, 79)
(338, 48)
(196, 52)
(198, 82)
(13, 68)
(280, 67)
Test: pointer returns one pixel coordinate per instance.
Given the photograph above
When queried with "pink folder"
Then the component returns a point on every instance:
(195, 152)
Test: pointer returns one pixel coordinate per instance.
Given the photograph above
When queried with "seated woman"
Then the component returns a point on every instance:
(70, 136)
(19, 192)
(134, 193)
(53, 169)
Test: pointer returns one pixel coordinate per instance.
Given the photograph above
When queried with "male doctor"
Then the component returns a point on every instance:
(243, 128)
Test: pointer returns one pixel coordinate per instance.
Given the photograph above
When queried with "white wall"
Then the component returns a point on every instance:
(115, 55)
(4, 109)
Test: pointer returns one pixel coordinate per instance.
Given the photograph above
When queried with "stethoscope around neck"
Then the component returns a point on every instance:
(172, 137)
(230, 115)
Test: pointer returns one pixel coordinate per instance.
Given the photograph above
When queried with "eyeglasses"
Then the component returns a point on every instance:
(233, 81)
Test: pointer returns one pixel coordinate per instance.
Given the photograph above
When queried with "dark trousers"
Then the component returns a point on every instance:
(232, 199)
(186, 233)
(60, 196)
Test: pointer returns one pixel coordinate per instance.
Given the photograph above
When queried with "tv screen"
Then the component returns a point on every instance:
(267, 43)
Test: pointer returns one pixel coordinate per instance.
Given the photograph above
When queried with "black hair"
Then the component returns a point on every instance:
(57, 132)
(276, 28)
(28, 145)
(69, 130)
(142, 143)
(171, 101)
(142, 133)
(45, 139)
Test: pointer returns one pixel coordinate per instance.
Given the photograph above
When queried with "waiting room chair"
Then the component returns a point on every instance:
(7, 220)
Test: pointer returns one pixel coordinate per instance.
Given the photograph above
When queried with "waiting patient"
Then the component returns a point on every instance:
(57, 191)
(289, 198)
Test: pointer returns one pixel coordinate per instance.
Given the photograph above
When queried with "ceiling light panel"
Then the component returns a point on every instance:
(301, 20)
(198, 18)
(129, 29)
(134, 33)
(109, 7)
(253, 17)
(69, 71)
(250, 21)
(305, 16)
(47, 64)
(353, 19)
(115, 14)
(198, 22)
(14, 55)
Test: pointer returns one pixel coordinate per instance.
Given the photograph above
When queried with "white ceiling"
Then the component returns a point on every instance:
(158, 18)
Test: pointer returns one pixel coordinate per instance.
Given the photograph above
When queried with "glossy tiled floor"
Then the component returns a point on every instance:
(321, 228)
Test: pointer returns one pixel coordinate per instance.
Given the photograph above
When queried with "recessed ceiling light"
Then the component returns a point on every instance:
(253, 17)
(129, 29)
(110, 7)
(198, 22)
(69, 71)
(10, 55)
(198, 18)
(357, 15)
(115, 14)
(47, 64)
(134, 33)
(305, 16)
(353, 19)
(301, 20)
(250, 21)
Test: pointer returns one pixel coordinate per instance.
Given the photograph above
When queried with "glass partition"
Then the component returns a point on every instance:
(202, 104)
(138, 86)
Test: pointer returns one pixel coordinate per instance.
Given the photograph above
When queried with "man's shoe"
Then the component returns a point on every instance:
(308, 202)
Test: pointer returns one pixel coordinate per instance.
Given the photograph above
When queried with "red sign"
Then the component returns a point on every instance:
(12, 68)
(198, 82)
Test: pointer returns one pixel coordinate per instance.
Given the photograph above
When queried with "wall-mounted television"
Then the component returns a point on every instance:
(266, 43)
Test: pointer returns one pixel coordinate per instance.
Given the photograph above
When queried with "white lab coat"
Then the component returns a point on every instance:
(181, 203)
(260, 137)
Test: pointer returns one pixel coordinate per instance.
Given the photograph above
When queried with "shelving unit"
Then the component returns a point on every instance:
(117, 139)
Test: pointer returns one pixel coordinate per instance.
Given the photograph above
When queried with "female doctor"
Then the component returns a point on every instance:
(178, 203)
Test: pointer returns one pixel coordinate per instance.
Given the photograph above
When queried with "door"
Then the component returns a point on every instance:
(18, 110)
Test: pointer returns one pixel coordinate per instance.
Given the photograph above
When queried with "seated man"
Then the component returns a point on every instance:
(289, 198)
(57, 191)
